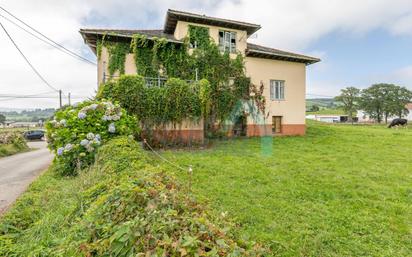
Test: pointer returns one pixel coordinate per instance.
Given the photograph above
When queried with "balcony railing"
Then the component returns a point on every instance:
(149, 81)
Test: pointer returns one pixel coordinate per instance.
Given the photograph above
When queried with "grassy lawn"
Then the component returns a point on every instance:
(338, 191)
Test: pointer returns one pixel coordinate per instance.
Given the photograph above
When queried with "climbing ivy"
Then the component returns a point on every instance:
(198, 36)
(117, 57)
(225, 83)
(117, 52)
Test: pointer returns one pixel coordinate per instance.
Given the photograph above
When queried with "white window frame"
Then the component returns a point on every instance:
(277, 90)
(225, 42)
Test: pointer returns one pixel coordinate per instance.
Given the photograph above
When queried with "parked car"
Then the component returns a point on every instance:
(34, 135)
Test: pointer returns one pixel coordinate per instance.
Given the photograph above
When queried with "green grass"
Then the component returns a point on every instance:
(121, 206)
(338, 191)
(10, 149)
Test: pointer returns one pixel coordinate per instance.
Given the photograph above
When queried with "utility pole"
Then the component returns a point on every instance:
(69, 99)
(60, 98)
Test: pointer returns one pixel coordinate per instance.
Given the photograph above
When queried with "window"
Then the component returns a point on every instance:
(277, 90)
(227, 41)
(276, 124)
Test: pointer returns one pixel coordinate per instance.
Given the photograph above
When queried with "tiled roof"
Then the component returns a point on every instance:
(172, 16)
(130, 32)
(90, 36)
(272, 53)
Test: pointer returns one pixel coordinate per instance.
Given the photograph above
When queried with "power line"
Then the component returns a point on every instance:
(17, 95)
(27, 60)
(37, 97)
(54, 42)
(44, 41)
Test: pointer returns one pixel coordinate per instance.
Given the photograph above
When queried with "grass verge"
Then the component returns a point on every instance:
(10, 149)
(121, 206)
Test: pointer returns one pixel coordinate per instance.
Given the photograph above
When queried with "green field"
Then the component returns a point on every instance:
(340, 190)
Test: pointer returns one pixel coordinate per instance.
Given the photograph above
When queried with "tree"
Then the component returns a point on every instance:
(396, 102)
(349, 97)
(314, 108)
(2, 119)
(372, 101)
(382, 101)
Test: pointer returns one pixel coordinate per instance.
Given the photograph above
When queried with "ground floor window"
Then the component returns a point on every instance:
(276, 124)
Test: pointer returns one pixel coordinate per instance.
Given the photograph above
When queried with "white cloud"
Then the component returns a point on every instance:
(286, 24)
(293, 24)
(401, 76)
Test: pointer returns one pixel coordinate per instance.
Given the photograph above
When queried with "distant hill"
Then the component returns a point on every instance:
(27, 115)
(329, 103)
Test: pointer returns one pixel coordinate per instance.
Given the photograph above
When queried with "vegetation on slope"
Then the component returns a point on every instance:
(121, 206)
(12, 143)
(338, 191)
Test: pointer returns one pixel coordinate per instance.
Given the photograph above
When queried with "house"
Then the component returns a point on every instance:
(409, 107)
(330, 118)
(365, 118)
(283, 74)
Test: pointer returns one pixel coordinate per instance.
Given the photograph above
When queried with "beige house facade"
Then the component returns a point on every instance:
(283, 74)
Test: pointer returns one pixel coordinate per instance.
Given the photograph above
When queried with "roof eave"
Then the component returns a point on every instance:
(170, 25)
(285, 57)
(84, 33)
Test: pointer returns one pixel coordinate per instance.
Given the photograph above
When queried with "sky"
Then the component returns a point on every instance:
(360, 42)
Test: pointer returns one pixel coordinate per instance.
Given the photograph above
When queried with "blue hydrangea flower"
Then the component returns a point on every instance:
(81, 115)
(93, 106)
(60, 151)
(68, 147)
(112, 128)
(98, 137)
(84, 142)
(90, 136)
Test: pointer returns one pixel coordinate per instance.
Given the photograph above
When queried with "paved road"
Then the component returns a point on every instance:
(18, 171)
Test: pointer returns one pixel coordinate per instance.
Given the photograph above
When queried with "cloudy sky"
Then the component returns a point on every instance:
(359, 42)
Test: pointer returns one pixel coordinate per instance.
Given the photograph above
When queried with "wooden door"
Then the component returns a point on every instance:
(276, 124)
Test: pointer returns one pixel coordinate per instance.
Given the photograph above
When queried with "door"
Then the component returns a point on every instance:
(276, 124)
(240, 126)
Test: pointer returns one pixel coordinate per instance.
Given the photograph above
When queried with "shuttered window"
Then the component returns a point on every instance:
(227, 41)
(277, 90)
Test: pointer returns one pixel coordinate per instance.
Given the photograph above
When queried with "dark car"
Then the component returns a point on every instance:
(34, 135)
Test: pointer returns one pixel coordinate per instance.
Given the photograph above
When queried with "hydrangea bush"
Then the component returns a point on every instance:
(77, 131)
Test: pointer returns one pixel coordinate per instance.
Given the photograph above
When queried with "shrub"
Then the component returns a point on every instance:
(122, 206)
(106, 90)
(129, 92)
(14, 138)
(76, 132)
(155, 106)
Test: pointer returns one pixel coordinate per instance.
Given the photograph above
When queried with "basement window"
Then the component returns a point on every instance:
(227, 41)
(277, 90)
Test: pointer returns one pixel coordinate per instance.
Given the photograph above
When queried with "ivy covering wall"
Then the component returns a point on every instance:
(225, 83)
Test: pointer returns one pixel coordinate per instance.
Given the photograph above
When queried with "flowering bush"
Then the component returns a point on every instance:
(77, 131)
(15, 138)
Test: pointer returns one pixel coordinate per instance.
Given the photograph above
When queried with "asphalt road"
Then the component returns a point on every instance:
(18, 171)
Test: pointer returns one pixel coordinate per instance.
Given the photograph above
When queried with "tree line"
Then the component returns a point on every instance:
(379, 101)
